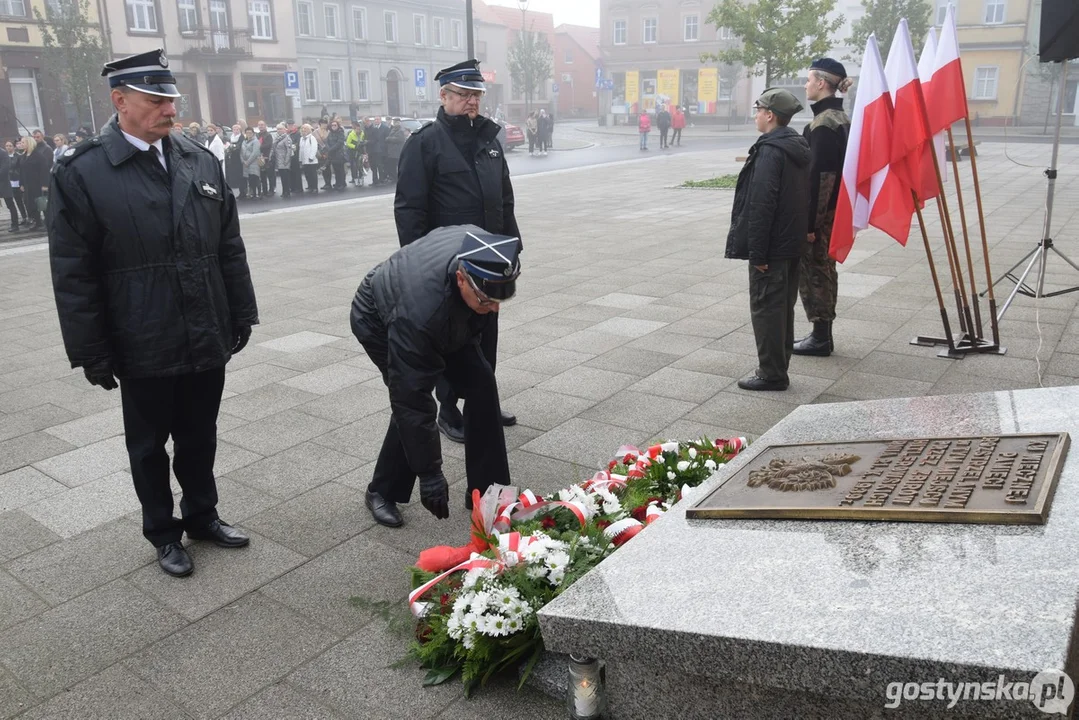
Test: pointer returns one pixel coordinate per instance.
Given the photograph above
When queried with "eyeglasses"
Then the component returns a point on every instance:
(483, 299)
(467, 96)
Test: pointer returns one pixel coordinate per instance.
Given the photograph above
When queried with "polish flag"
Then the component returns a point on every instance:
(911, 153)
(926, 66)
(866, 179)
(947, 98)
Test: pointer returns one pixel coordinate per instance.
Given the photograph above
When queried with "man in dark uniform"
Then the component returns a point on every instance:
(152, 287)
(419, 316)
(768, 222)
(827, 137)
(453, 172)
(376, 150)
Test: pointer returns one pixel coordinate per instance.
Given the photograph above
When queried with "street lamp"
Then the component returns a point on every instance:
(468, 32)
(523, 4)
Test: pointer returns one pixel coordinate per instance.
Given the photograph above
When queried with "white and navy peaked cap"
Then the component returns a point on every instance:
(493, 263)
(146, 72)
(465, 75)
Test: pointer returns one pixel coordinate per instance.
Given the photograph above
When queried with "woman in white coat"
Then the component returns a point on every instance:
(215, 144)
(309, 157)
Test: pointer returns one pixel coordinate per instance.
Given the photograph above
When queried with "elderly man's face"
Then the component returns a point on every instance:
(145, 116)
(236, 129)
(262, 125)
(461, 101)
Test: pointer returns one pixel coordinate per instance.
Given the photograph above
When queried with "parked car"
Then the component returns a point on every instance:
(512, 136)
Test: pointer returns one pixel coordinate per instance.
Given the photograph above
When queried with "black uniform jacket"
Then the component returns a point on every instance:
(148, 267)
(771, 200)
(411, 304)
(453, 172)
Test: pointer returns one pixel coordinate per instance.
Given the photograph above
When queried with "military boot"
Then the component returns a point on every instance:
(818, 342)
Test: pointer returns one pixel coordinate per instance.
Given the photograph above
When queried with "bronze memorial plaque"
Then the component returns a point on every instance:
(1007, 479)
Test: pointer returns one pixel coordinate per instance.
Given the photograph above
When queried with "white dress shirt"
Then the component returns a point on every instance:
(143, 145)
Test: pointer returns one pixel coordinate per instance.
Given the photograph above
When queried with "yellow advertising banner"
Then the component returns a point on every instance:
(707, 90)
(633, 88)
(667, 84)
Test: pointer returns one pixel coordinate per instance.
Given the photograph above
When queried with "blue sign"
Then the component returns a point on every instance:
(292, 80)
(421, 77)
(608, 84)
(599, 76)
(554, 88)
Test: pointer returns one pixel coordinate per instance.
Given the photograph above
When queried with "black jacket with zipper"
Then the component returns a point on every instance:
(771, 200)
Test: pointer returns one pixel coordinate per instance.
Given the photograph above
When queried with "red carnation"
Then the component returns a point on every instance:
(444, 599)
(603, 524)
(547, 522)
(639, 513)
(629, 459)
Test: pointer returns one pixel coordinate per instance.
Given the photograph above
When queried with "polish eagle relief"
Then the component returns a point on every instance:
(806, 473)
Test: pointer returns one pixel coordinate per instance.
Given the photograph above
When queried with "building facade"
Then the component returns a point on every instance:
(508, 22)
(376, 57)
(229, 56)
(31, 97)
(576, 59)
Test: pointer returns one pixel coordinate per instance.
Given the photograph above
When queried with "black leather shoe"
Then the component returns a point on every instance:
(382, 510)
(755, 383)
(221, 534)
(174, 560)
(456, 433)
(508, 419)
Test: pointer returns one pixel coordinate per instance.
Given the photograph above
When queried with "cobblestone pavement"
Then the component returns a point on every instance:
(629, 326)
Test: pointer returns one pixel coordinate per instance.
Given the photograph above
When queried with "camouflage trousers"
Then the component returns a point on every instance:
(818, 281)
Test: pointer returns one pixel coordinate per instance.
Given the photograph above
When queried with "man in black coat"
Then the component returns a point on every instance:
(420, 316)
(768, 222)
(453, 172)
(376, 150)
(663, 122)
(152, 287)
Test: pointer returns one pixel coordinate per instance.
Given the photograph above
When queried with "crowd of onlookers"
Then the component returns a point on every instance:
(539, 127)
(24, 177)
(257, 160)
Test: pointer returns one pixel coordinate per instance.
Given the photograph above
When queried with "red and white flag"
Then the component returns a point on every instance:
(947, 97)
(911, 154)
(926, 66)
(866, 179)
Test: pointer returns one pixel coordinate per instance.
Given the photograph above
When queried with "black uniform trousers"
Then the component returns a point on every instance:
(444, 388)
(772, 296)
(185, 407)
(471, 373)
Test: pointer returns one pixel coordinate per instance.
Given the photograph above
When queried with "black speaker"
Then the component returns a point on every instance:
(1060, 31)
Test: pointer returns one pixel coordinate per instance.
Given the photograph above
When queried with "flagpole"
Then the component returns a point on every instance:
(936, 281)
(994, 323)
(966, 236)
(952, 263)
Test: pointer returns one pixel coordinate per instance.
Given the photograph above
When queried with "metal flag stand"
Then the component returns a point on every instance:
(1040, 254)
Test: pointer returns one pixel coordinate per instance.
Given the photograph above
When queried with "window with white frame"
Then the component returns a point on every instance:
(619, 32)
(141, 15)
(994, 12)
(310, 85)
(335, 85)
(691, 28)
(389, 20)
(13, 8)
(942, 11)
(23, 83)
(438, 27)
(261, 14)
(363, 85)
(188, 15)
(331, 14)
(359, 23)
(456, 32)
(985, 83)
(569, 56)
(419, 29)
(724, 33)
(305, 19)
(650, 30)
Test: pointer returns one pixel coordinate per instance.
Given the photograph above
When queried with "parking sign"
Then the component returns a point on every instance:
(292, 83)
(421, 78)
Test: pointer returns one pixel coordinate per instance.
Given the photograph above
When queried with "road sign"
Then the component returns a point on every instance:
(554, 88)
(421, 78)
(599, 77)
(292, 83)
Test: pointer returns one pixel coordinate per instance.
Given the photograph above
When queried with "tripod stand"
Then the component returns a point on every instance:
(1040, 254)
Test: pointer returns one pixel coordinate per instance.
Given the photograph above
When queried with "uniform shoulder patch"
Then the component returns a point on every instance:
(76, 150)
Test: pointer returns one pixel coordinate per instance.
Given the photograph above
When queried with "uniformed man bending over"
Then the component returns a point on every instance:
(152, 287)
(419, 316)
(453, 172)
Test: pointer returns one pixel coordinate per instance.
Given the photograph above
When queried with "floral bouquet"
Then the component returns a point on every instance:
(525, 550)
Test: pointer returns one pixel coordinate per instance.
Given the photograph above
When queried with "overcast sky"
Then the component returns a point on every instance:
(575, 12)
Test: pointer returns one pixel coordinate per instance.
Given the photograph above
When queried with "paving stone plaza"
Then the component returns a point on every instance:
(628, 326)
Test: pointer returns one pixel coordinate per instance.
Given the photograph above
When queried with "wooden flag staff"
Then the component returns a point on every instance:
(994, 321)
(951, 350)
(966, 238)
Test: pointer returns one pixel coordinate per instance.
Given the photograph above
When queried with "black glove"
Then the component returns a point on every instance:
(100, 374)
(240, 335)
(435, 494)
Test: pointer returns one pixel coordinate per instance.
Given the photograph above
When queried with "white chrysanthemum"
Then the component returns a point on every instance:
(710, 464)
(536, 571)
(683, 465)
(469, 641)
(480, 602)
(496, 625)
(556, 576)
(557, 559)
(514, 624)
(608, 502)
(671, 475)
(472, 622)
(693, 453)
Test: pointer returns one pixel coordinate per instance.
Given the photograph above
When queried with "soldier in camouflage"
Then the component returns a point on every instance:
(827, 137)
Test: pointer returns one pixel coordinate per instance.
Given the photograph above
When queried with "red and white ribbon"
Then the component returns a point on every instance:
(521, 511)
(732, 446)
(621, 531)
(653, 513)
(419, 608)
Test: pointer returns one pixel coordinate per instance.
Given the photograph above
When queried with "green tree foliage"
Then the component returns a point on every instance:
(882, 18)
(75, 50)
(779, 38)
(530, 63)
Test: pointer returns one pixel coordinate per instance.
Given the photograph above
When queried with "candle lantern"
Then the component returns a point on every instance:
(586, 696)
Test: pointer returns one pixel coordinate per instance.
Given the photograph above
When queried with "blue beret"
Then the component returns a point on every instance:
(828, 65)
